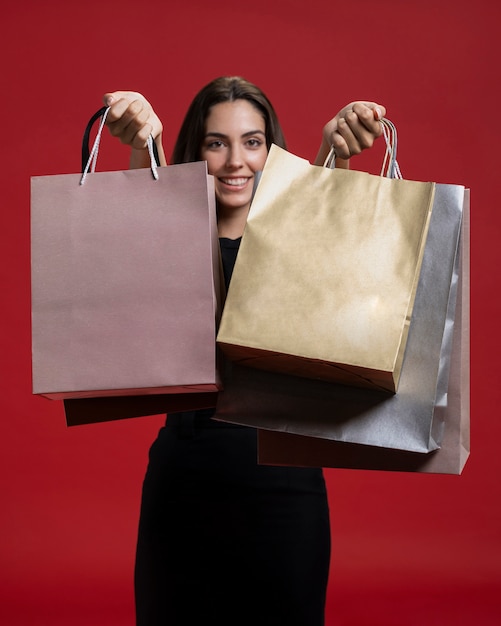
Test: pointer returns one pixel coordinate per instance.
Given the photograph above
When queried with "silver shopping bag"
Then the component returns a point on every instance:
(412, 419)
(280, 448)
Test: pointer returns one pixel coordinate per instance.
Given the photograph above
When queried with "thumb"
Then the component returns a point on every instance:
(109, 98)
(378, 110)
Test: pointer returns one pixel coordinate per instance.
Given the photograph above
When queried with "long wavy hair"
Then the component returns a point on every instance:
(223, 89)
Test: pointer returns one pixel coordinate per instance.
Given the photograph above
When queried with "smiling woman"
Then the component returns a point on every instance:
(231, 124)
(235, 149)
(222, 539)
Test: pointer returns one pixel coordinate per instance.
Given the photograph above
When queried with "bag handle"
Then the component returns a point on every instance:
(89, 157)
(390, 168)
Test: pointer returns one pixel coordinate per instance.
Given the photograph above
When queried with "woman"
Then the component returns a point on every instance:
(223, 540)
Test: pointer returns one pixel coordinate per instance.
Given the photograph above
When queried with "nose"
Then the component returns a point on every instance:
(234, 157)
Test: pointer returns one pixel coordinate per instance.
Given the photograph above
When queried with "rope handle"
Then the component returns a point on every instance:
(89, 157)
(390, 168)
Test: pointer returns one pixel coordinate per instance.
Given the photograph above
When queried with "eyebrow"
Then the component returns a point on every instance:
(247, 134)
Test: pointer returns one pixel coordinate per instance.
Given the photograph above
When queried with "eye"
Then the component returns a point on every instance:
(214, 144)
(254, 142)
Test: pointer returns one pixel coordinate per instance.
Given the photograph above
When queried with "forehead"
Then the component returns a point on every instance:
(236, 117)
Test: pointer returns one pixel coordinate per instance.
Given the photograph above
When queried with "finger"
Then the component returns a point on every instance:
(369, 111)
(351, 137)
(127, 120)
(365, 117)
(108, 98)
(113, 96)
(139, 139)
(360, 128)
(344, 140)
(134, 134)
(123, 110)
(131, 118)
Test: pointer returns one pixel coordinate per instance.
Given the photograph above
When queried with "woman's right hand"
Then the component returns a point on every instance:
(132, 119)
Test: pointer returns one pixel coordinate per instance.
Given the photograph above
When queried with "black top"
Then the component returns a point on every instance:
(229, 250)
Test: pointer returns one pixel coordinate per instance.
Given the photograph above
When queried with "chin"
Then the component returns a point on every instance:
(233, 203)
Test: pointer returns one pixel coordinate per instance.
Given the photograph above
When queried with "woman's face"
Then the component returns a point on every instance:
(234, 147)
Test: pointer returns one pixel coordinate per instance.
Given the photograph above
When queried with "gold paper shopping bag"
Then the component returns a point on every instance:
(326, 275)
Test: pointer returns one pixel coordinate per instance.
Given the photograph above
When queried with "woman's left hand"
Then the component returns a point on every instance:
(353, 129)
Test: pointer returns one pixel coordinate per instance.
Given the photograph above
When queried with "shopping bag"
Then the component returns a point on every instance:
(81, 411)
(126, 286)
(412, 419)
(280, 448)
(325, 279)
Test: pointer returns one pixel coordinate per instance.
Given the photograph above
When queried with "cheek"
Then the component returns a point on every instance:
(260, 160)
(213, 162)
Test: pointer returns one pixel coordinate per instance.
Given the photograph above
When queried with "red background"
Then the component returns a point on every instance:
(408, 550)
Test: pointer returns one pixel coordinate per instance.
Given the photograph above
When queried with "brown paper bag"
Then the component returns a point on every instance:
(280, 448)
(80, 411)
(410, 420)
(126, 286)
(325, 278)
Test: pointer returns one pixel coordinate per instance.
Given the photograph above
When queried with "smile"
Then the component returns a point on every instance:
(235, 182)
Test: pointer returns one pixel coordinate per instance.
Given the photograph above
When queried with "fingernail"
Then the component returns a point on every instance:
(377, 113)
(109, 100)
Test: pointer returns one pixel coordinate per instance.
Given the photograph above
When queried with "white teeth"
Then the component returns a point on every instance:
(234, 181)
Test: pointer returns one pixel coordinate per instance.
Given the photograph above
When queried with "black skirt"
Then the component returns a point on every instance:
(223, 540)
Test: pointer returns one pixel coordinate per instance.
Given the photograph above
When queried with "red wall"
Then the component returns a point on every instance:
(408, 549)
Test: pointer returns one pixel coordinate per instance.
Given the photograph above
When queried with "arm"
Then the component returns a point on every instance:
(132, 119)
(354, 129)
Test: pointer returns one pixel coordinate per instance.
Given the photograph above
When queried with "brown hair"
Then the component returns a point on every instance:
(223, 89)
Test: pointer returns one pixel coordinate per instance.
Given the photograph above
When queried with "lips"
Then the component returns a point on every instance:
(235, 182)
